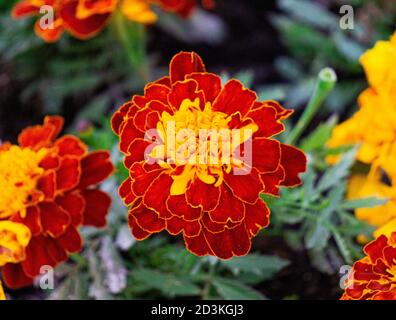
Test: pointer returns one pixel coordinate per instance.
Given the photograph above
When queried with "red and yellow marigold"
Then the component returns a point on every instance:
(217, 211)
(85, 18)
(373, 127)
(374, 276)
(49, 185)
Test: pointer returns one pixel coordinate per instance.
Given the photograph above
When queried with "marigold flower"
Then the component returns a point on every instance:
(374, 276)
(179, 183)
(384, 216)
(14, 238)
(374, 125)
(86, 18)
(48, 185)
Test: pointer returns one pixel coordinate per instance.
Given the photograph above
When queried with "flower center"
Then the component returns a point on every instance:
(14, 237)
(19, 172)
(201, 142)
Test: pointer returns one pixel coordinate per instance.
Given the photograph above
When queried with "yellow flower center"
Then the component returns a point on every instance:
(19, 172)
(14, 238)
(201, 141)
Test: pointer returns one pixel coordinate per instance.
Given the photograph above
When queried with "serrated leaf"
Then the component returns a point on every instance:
(317, 236)
(169, 284)
(363, 203)
(336, 173)
(235, 290)
(318, 138)
(263, 265)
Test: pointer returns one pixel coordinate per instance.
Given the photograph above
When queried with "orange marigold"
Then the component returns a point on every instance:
(49, 185)
(374, 276)
(217, 211)
(85, 18)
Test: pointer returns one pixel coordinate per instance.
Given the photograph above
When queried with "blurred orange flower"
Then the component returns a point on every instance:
(374, 276)
(86, 18)
(373, 126)
(48, 185)
(198, 193)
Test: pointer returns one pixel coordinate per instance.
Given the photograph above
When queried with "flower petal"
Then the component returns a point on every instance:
(183, 64)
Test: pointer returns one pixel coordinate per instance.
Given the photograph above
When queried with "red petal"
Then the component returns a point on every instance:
(234, 98)
(126, 193)
(157, 194)
(245, 187)
(198, 245)
(36, 257)
(229, 243)
(24, 8)
(54, 219)
(256, 217)
(14, 277)
(70, 145)
(128, 134)
(68, 174)
(209, 83)
(32, 220)
(36, 136)
(187, 89)
(137, 231)
(95, 168)
(136, 152)
(50, 162)
(273, 180)
(266, 154)
(141, 179)
(118, 119)
(55, 250)
(175, 225)
(267, 120)
(390, 256)
(185, 63)
(229, 208)
(294, 162)
(97, 205)
(71, 240)
(74, 205)
(46, 184)
(81, 28)
(375, 248)
(56, 122)
(178, 206)
(147, 219)
(200, 194)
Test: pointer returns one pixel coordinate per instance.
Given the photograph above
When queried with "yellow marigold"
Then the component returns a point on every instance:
(374, 124)
(382, 217)
(14, 238)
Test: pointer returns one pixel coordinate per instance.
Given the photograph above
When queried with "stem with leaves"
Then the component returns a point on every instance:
(132, 37)
(324, 85)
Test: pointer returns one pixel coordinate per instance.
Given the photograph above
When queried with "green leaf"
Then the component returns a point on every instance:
(235, 290)
(336, 173)
(317, 237)
(363, 203)
(318, 138)
(169, 284)
(264, 266)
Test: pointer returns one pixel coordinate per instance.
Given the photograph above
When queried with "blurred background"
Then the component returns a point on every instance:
(275, 47)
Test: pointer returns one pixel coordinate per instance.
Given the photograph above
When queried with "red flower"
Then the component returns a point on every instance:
(86, 18)
(374, 276)
(49, 184)
(217, 211)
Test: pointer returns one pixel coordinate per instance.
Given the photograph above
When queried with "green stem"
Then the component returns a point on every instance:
(208, 282)
(324, 84)
(132, 37)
